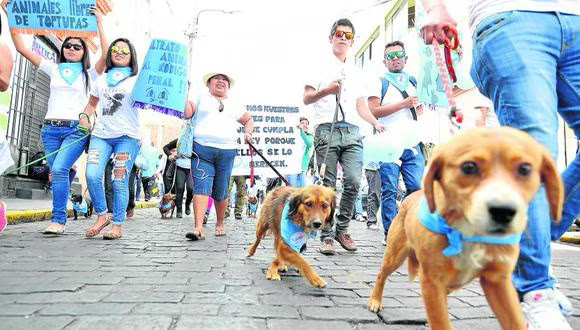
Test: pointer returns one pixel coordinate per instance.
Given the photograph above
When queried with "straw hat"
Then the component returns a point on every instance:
(209, 75)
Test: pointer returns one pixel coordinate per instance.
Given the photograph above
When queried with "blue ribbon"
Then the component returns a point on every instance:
(70, 71)
(293, 235)
(116, 75)
(437, 224)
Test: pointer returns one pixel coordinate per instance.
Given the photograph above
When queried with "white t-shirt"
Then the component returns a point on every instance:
(482, 9)
(66, 101)
(212, 128)
(329, 69)
(115, 115)
(391, 96)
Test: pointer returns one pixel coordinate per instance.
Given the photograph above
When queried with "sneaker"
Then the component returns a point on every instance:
(360, 218)
(179, 215)
(373, 226)
(187, 210)
(563, 302)
(238, 216)
(541, 310)
(345, 241)
(327, 247)
(385, 240)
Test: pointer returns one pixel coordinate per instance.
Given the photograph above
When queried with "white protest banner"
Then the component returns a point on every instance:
(276, 137)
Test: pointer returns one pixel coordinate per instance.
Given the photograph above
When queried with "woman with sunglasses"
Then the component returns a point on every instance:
(216, 121)
(70, 83)
(116, 133)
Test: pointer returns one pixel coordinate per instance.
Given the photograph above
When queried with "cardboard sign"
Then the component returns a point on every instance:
(162, 82)
(276, 137)
(59, 17)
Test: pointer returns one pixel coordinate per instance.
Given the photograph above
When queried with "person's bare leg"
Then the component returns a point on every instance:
(220, 208)
(199, 208)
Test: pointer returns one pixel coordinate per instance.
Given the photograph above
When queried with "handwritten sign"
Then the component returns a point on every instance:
(276, 137)
(60, 17)
(162, 82)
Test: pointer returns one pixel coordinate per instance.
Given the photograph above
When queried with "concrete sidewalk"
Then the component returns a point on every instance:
(25, 210)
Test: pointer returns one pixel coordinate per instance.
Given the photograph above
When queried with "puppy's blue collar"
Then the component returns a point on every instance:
(293, 235)
(437, 224)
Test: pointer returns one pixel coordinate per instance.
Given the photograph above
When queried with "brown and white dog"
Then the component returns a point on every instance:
(481, 183)
(167, 206)
(309, 208)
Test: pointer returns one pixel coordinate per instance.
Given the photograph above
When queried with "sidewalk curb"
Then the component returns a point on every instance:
(570, 239)
(15, 217)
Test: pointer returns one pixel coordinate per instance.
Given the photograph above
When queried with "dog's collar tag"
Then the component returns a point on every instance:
(437, 224)
(293, 235)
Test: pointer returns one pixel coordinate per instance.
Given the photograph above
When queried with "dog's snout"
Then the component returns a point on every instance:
(501, 212)
(316, 224)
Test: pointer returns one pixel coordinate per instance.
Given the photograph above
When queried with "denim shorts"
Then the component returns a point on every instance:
(211, 168)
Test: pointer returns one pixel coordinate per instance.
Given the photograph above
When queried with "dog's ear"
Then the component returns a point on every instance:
(433, 173)
(554, 186)
(295, 200)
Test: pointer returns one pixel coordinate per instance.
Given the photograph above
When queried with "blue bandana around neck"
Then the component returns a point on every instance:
(293, 235)
(116, 75)
(437, 224)
(70, 71)
(165, 206)
(399, 79)
(81, 207)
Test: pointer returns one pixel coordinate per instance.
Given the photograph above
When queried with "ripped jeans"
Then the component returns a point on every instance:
(125, 150)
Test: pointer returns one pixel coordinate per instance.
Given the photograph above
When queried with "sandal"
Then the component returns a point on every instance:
(220, 232)
(195, 236)
(112, 235)
(94, 232)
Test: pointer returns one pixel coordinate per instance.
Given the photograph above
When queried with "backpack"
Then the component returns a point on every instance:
(385, 86)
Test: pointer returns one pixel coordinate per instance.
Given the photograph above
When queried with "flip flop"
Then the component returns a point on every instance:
(195, 236)
(53, 231)
(220, 232)
(111, 235)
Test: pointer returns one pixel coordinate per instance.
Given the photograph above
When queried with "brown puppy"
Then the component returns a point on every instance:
(481, 183)
(252, 206)
(167, 206)
(309, 208)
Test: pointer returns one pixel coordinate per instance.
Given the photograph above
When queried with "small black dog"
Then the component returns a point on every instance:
(82, 204)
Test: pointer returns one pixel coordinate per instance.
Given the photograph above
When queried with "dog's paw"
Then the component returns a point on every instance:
(283, 268)
(273, 276)
(250, 251)
(375, 305)
(318, 282)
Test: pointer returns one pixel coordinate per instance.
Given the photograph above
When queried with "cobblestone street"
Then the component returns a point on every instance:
(153, 278)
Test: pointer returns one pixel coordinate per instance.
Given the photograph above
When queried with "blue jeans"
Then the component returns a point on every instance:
(297, 180)
(211, 169)
(125, 149)
(528, 63)
(358, 209)
(345, 148)
(412, 167)
(54, 138)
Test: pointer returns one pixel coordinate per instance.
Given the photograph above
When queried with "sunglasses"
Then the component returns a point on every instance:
(119, 50)
(221, 107)
(347, 35)
(68, 45)
(397, 54)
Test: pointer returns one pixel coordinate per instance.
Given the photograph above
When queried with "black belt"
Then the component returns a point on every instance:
(62, 123)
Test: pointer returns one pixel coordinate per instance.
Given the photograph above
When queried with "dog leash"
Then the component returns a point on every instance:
(269, 164)
(252, 180)
(322, 171)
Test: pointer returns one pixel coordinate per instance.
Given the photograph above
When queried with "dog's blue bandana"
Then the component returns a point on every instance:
(165, 206)
(116, 75)
(81, 207)
(437, 224)
(293, 235)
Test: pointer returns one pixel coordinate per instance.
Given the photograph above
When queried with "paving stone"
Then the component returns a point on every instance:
(403, 315)
(219, 323)
(117, 288)
(295, 300)
(276, 324)
(478, 324)
(19, 309)
(371, 326)
(37, 323)
(191, 288)
(122, 322)
(176, 309)
(87, 309)
(101, 280)
(220, 298)
(62, 297)
(143, 297)
(40, 287)
(351, 314)
(260, 311)
(471, 312)
(152, 280)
